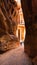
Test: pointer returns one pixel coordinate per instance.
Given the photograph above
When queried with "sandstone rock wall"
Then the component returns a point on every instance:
(30, 16)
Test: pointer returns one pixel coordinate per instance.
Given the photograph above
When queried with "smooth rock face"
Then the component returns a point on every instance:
(34, 6)
(34, 60)
(31, 26)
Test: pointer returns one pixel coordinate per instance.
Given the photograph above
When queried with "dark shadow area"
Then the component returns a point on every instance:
(2, 52)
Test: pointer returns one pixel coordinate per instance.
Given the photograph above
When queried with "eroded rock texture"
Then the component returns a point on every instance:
(30, 15)
(8, 25)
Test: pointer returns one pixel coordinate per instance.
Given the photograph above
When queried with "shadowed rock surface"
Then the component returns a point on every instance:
(30, 15)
